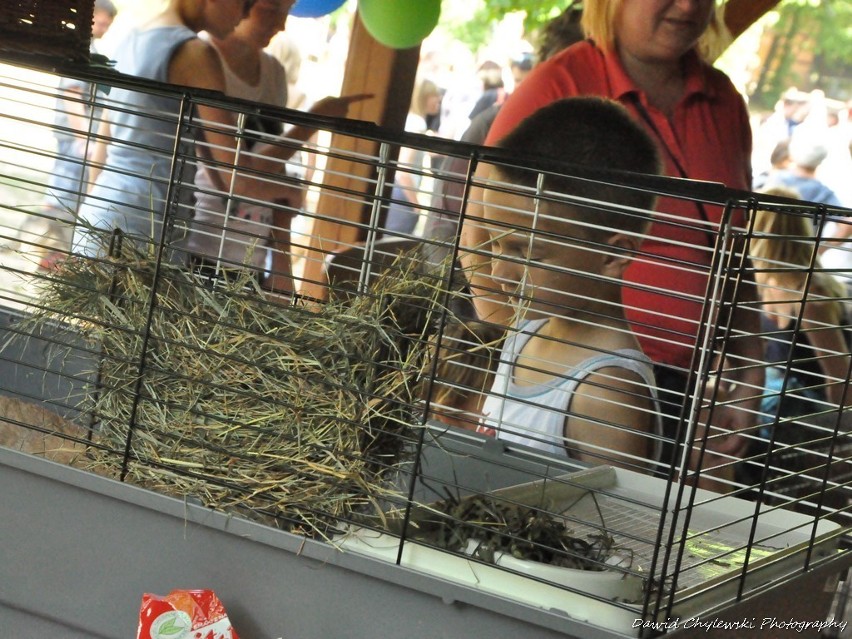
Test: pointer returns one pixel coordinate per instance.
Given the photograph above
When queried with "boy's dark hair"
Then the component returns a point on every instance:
(587, 132)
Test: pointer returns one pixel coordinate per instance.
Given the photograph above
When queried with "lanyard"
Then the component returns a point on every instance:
(702, 212)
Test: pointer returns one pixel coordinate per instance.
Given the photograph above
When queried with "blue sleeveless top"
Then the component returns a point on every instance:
(130, 193)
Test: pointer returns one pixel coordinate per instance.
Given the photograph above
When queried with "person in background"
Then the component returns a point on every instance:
(806, 154)
(781, 252)
(561, 32)
(807, 345)
(571, 379)
(285, 49)
(790, 112)
(129, 195)
(779, 161)
(69, 176)
(648, 55)
(835, 170)
(819, 149)
(231, 233)
(520, 66)
(493, 89)
(403, 212)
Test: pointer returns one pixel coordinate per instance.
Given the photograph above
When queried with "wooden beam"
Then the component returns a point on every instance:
(389, 75)
(741, 14)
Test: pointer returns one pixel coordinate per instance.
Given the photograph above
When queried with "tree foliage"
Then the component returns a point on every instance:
(833, 33)
(477, 32)
(810, 47)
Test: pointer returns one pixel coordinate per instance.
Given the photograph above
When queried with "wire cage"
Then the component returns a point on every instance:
(307, 363)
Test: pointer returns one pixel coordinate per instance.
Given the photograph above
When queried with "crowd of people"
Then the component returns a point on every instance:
(650, 61)
(805, 146)
(622, 84)
(131, 192)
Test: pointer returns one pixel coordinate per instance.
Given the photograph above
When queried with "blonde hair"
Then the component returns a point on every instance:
(786, 240)
(423, 90)
(598, 23)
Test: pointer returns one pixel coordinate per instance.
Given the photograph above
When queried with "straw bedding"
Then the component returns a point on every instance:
(287, 413)
(298, 416)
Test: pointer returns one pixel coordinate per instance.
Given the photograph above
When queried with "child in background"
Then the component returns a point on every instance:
(466, 358)
(781, 254)
(236, 234)
(807, 359)
(572, 380)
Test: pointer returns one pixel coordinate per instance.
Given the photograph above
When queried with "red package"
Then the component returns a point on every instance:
(184, 614)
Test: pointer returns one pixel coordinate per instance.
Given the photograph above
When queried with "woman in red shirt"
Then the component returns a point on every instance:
(647, 55)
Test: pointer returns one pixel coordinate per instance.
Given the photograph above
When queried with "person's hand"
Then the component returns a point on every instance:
(733, 417)
(731, 420)
(335, 107)
(713, 469)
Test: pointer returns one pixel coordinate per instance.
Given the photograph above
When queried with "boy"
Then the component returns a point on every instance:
(572, 380)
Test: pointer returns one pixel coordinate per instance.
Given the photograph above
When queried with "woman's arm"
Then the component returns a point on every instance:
(744, 377)
(195, 64)
(98, 154)
(330, 107)
(281, 278)
(266, 158)
(820, 325)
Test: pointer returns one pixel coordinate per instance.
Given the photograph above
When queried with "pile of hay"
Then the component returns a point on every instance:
(214, 392)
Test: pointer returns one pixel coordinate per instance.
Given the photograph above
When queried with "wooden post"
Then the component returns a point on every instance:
(389, 75)
(741, 14)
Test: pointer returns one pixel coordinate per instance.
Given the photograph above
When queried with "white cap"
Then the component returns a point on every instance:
(807, 149)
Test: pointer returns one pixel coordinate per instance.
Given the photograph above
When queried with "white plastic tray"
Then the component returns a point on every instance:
(631, 506)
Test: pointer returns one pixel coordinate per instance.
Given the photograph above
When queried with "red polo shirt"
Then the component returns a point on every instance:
(709, 134)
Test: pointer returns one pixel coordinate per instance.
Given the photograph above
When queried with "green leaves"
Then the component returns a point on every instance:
(170, 628)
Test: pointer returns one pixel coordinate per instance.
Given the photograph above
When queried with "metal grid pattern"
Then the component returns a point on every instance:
(778, 512)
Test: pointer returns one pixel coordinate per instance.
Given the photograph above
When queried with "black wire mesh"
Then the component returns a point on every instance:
(341, 400)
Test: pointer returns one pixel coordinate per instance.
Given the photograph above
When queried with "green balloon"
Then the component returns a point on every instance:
(399, 24)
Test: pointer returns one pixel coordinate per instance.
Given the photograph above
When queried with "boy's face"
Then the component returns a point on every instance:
(267, 18)
(544, 273)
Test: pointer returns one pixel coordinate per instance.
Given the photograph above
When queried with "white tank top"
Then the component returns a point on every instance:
(248, 225)
(535, 415)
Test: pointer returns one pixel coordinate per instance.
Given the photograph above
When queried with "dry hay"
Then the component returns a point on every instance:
(33, 429)
(214, 392)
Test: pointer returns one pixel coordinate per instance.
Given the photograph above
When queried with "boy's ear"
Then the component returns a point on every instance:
(624, 247)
